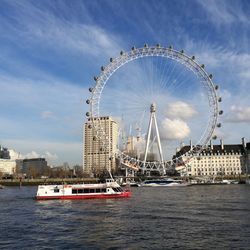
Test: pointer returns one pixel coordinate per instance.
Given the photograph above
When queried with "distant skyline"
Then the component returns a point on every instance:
(50, 51)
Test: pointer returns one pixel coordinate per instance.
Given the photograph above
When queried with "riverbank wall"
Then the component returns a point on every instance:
(36, 182)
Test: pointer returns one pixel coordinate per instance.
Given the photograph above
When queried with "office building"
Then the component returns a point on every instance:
(34, 167)
(7, 165)
(99, 154)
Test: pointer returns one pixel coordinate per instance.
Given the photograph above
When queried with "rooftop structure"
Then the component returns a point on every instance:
(4, 153)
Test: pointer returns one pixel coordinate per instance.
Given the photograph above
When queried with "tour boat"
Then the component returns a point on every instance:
(165, 183)
(109, 189)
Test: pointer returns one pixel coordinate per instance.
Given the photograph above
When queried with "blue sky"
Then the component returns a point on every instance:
(50, 51)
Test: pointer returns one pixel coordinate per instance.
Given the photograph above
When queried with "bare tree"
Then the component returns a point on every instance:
(32, 172)
(1, 174)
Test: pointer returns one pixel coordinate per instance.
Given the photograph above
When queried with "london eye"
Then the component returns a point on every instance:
(162, 99)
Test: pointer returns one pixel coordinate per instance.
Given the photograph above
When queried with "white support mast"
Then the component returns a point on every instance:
(153, 119)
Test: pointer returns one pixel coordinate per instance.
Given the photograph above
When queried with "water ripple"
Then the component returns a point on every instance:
(196, 217)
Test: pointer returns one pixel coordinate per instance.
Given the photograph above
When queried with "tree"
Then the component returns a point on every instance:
(78, 171)
(32, 172)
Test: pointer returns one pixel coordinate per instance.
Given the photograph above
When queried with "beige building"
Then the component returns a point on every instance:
(99, 155)
(7, 166)
(216, 160)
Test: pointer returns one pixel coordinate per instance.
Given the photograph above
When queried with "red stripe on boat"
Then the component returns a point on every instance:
(76, 197)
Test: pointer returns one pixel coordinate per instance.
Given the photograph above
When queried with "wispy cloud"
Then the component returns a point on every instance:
(31, 102)
(33, 25)
(45, 103)
(47, 114)
(224, 11)
(51, 49)
(238, 114)
(55, 152)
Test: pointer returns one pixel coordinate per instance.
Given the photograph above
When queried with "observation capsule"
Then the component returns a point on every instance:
(182, 51)
(87, 114)
(95, 78)
(158, 45)
(102, 68)
(214, 137)
(111, 59)
(210, 76)
(94, 138)
(218, 125)
(88, 101)
(90, 89)
(133, 48)
(89, 126)
(170, 47)
(220, 112)
(203, 66)
(216, 87)
(145, 45)
(219, 99)
(193, 57)
(121, 53)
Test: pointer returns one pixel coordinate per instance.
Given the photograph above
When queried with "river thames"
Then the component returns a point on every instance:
(195, 217)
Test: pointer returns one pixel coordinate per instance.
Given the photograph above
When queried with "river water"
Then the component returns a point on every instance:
(195, 217)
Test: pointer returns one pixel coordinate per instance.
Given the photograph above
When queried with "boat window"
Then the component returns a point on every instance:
(103, 190)
(98, 190)
(86, 190)
(74, 191)
(92, 190)
(80, 191)
(56, 190)
(118, 189)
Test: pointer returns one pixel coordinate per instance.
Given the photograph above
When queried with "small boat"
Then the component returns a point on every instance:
(229, 182)
(165, 183)
(1, 186)
(109, 189)
(131, 184)
(134, 184)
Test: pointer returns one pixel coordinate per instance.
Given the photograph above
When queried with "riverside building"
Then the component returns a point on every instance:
(99, 155)
(217, 160)
(34, 166)
(7, 165)
(248, 159)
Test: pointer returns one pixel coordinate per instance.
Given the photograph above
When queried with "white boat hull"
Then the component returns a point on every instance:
(165, 183)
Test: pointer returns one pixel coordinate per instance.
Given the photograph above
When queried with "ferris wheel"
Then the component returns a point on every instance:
(161, 98)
